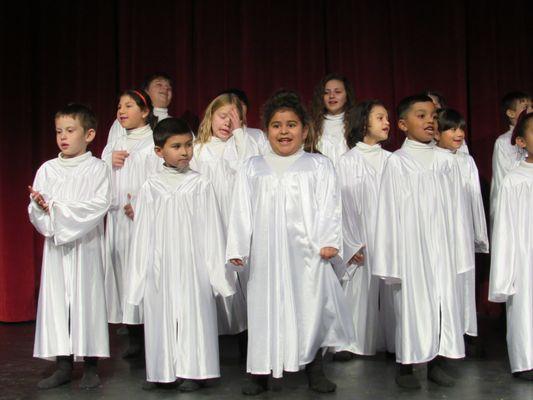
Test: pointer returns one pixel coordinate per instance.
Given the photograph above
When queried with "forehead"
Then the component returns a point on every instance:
(378, 109)
(425, 106)
(225, 108)
(158, 81)
(334, 84)
(67, 120)
(285, 115)
(126, 98)
(179, 138)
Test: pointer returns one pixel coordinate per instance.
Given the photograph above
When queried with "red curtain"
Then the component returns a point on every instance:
(63, 51)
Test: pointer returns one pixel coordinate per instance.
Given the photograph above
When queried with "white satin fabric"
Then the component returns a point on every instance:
(71, 314)
(420, 244)
(176, 262)
(511, 272)
(138, 166)
(260, 138)
(278, 224)
(359, 172)
(332, 142)
(219, 161)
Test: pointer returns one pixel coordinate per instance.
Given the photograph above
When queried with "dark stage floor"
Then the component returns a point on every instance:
(368, 378)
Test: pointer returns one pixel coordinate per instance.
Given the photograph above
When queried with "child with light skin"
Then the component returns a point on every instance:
(69, 199)
(177, 264)
(450, 137)
(359, 172)
(332, 100)
(131, 160)
(419, 248)
(511, 270)
(285, 226)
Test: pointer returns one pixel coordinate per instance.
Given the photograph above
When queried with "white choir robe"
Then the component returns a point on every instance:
(332, 142)
(177, 259)
(420, 245)
(117, 130)
(360, 181)
(511, 272)
(505, 157)
(278, 224)
(138, 166)
(71, 314)
(221, 169)
(260, 138)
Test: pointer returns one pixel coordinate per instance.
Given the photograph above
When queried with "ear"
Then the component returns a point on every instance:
(511, 114)
(145, 114)
(158, 151)
(305, 132)
(402, 125)
(436, 136)
(520, 142)
(90, 135)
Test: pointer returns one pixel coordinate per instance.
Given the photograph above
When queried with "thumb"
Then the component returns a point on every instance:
(129, 197)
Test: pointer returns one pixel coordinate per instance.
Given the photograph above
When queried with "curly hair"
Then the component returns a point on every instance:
(359, 118)
(144, 102)
(204, 130)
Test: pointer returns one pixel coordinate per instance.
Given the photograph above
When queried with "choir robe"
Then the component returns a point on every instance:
(220, 161)
(279, 222)
(71, 309)
(420, 243)
(359, 172)
(511, 272)
(260, 138)
(117, 130)
(332, 142)
(138, 166)
(177, 260)
(505, 157)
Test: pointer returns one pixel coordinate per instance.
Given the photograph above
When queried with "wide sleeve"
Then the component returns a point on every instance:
(481, 239)
(40, 219)
(72, 220)
(502, 269)
(500, 166)
(115, 132)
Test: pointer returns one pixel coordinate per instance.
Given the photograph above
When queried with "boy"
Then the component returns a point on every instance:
(506, 155)
(69, 199)
(177, 260)
(418, 246)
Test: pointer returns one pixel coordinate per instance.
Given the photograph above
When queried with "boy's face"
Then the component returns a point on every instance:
(177, 151)
(160, 91)
(71, 138)
(286, 133)
(334, 96)
(129, 114)
(419, 122)
(519, 106)
(526, 142)
(451, 139)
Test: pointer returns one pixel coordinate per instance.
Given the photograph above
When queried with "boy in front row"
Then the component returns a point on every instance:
(69, 199)
(177, 263)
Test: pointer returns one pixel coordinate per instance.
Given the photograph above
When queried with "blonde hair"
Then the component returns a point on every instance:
(204, 130)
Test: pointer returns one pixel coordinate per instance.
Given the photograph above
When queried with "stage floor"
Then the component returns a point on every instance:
(364, 378)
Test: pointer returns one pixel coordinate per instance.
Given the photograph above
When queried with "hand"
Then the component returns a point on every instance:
(328, 252)
(237, 262)
(118, 158)
(128, 209)
(358, 258)
(39, 199)
(235, 121)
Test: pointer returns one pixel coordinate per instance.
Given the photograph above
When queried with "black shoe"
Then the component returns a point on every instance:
(437, 374)
(318, 381)
(343, 356)
(90, 378)
(123, 331)
(405, 377)
(62, 375)
(256, 384)
(190, 385)
(525, 375)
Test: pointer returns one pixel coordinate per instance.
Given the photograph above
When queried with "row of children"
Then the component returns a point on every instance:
(235, 229)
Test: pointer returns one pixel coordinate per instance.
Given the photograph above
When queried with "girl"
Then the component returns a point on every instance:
(511, 271)
(221, 148)
(131, 159)
(285, 226)
(359, 172)
(332, 100)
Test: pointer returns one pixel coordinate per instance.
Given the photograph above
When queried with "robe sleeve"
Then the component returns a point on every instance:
(72, 220)
(481, 239)
(114, 133)
(502, 271)
(500, 166)
(40, 219)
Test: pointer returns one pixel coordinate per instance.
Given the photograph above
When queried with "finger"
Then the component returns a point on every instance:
(129, 196)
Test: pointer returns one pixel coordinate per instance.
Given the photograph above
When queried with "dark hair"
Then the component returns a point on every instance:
(289, 100)
(440, 98)
(359, 121)
(318, 110)
(143, 100)
(509, 101)
(449, 118)
(406, 103)
(152, 77)
(241, 94)
(170, 127)
(520, 128)
(84, 114)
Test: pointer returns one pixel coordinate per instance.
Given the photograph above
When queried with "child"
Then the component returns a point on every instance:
(418, 247)
(131, 159)
(159, 88)
(220, 150)
(511, 273)
(69, 199)
(177, 257)
(285, 225)
(332, 99)
(450, 137)
(506, 156)
(359, 172)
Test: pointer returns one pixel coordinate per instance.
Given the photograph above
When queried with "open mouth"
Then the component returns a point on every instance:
(285, 140)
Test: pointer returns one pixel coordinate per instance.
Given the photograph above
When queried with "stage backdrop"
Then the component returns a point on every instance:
(88, 51)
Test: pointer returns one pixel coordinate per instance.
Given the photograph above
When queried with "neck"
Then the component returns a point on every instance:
(370, 140)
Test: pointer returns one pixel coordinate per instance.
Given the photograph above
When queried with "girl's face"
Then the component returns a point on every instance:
(221, 126)
(378, 125)
(334, 97)
(129, 114)
(526, 142)
(451, 139)
(286, 132)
